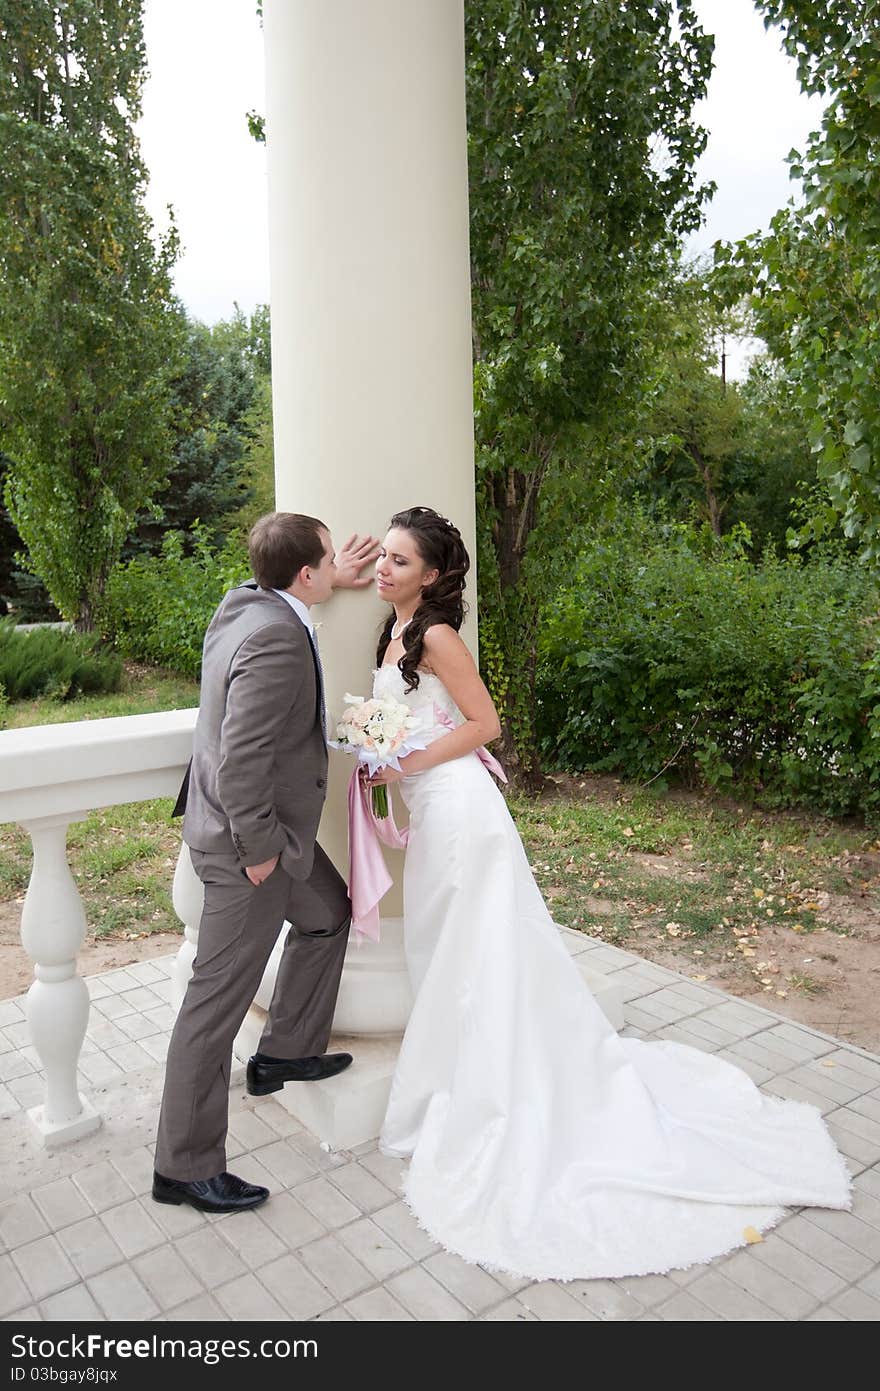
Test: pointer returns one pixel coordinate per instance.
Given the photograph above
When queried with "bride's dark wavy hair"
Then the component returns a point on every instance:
(440, 546)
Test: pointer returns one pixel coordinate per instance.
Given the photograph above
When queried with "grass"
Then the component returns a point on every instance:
(685, 874)
(602, 854)
(123, 857)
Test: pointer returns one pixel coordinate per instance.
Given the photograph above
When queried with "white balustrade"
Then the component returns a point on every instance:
(50, 776)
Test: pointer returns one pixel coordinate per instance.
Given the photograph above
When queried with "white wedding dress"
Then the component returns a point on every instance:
(540, 1142)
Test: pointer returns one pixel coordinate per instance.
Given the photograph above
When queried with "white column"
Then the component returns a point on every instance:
(53, 927)
(370, 292)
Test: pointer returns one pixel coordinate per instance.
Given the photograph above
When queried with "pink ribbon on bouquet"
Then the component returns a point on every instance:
(368, 877)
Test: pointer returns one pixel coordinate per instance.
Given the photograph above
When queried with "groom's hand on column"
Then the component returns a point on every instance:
(357, 552)
(257, 873)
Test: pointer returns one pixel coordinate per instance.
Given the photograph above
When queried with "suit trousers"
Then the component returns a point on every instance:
(239, 928)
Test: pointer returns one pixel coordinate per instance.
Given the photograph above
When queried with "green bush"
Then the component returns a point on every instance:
(54, 662)
(670, 655)
(156, 608)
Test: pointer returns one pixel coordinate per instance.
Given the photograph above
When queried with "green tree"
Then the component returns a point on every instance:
(814, 280)
(582, 147)
(212, 400)
(88, 331)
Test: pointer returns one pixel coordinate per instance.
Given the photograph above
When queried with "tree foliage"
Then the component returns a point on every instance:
(815, 278)
(88, 334)
(582, 148)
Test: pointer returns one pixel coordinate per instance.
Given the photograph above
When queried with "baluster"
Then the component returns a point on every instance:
(53, 925)
(188, 897)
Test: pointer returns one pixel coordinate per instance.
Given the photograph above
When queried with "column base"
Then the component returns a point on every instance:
(348, 1110)
(53, 1134)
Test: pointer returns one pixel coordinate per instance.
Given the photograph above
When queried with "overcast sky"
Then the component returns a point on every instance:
(206, 72)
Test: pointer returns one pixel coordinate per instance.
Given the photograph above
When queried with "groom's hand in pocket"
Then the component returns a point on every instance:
(257, 873)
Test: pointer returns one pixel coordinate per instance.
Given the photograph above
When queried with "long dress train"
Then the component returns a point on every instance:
(539, 1141)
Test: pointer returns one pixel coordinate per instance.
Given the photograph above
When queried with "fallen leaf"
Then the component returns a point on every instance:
(628, 831)
(826, 1062)
(752, 1236)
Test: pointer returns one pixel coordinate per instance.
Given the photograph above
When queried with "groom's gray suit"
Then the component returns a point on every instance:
(256, 789)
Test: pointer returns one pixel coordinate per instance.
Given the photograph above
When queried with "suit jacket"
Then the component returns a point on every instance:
(258, 775)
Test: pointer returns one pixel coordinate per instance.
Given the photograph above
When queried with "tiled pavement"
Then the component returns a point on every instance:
(82, 1239)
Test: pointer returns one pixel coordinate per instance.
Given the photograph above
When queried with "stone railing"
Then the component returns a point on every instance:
(51, 775)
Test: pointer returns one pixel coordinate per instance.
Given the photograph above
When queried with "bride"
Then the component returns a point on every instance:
(539, 1141)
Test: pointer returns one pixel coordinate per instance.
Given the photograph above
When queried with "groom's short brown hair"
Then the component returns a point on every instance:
(280, 544)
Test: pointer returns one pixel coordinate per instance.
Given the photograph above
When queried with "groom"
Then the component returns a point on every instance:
(254, 793)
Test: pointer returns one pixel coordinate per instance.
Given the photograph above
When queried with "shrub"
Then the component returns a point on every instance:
(156, 608)
(671, 655)
(54, 662)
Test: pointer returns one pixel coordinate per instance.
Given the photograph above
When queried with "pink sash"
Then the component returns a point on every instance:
(368, 877)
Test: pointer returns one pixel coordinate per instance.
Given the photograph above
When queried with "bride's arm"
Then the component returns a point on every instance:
(450, 660)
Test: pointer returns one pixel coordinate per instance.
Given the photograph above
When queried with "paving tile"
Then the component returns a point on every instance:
(121, 1295)
(767, 1284)
(105, 1034)
(728, 1300)
(857, 1124)
(132, 1228)
(425, 1297)
(334, 1266)
(402, 1227)
(737, 1019)
(167, 1277)
(337, 1314)
(13, 1065)
(795, 1091)
(855, 1304)
(758, 1074)
(120, 980)
(655, 1008)
(275, 1116)
(19, 1035)
(90, 1247)
(326, 1203)
(286, 1217)
(825, 1315)
(869, 1181)
(374, 1248)
(103, 1186)
(157, 1046)
(136, 1168)
(10, 1013)
(683, 1308)
(20, 1221)
(30, 1314)
(285, 1163)
(805, 1041)
(252, 1238)
(511, 1311)
(378, 1306)
(250, 1130)
(44, 1267)
(145, 973)
(713, 1033)
(869, 1067)
(203, 1309)
(648, 1290)
(210, 1258)
(247, 1301)
(311, 1148)
(828, 1250)
(551, 1302)
(801, 1269)
(473, 1287)
(29, 1090)
(868, 1106)
(849, 1228)
(97, 1068)
(131, 1057)
(14, 1294)
(607, 1299)
(111, 1007)
(136, 1027)
(73, 1305)
(175, 1221)
(9, 1103)
(824, 1081)
(297, 1291)
(385, 1168)
(361, 1187)
(853, 1145)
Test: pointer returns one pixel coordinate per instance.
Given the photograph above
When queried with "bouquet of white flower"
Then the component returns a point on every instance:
(379, 733)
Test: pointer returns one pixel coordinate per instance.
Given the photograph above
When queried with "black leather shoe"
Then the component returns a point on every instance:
(264, 1077)
(224, 1193)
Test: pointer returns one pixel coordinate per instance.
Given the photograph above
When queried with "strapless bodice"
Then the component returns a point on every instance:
(388, 684)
